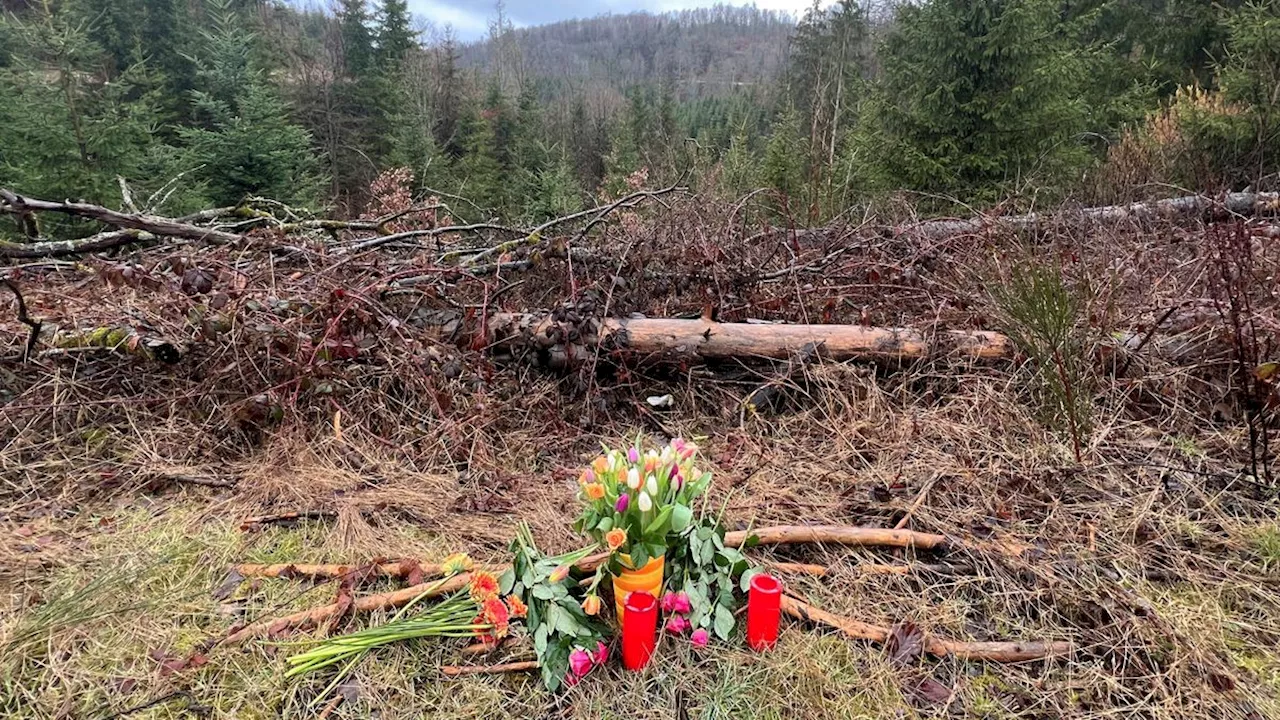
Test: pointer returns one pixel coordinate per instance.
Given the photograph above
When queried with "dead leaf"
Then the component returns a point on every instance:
(349, 689)
(229, 585)
(930, 691)
(906, 644)
(1266, 371)
(170, 664)
(415, 576)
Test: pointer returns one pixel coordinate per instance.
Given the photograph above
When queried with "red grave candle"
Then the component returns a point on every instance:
(764, 609)
(639, 629)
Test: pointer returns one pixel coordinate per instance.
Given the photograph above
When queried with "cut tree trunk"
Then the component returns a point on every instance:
(561, 344)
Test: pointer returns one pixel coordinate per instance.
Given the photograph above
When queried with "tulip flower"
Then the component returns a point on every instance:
(559, 574)
(687, 451)
(651, 485)
(677, 624)
(646, 502)
(700, 638)
(591, 604)
(633, 479)
(633, 455)
(667, 455)
(602, 653)
(588, 477)
(623, 501)
(600, 465)
(677, 480)
(579, 662)
(595, 491)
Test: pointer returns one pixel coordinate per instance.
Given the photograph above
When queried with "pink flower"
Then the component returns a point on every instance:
(579, 662)
(680, 603)
(602, 653)
(633, 455)
(570, 679)
(668, 602)
(677, 624)
(623, 501)
(700, 637)
(588, 476)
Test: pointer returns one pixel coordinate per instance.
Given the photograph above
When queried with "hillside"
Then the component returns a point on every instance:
(706, 51)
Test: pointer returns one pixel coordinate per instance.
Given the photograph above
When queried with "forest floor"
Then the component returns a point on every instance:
(127, 486)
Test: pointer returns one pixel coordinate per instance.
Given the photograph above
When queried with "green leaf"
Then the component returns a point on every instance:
(605, 524)
(540, 639)
(723, 622)
(751, 541)
(659, 522)
(680, 517)
(639, 555)
(749, 573)
(545, 592)
(506, 580)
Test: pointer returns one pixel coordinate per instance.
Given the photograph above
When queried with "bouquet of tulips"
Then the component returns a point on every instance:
(632, 500)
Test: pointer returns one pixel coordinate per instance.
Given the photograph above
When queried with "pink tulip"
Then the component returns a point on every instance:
(588, 477)
(623, 501)
(677, 624)
(700, 638)
(681, 603)
(579, 662)
(602, 653)
(633, 455)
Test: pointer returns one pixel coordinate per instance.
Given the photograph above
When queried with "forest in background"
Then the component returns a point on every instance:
(196, 103)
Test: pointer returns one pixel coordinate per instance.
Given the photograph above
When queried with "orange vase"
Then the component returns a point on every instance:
(646, 579)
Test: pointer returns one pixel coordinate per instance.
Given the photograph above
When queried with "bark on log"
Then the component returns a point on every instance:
(938, 647)
(656, 339)
(838, 535)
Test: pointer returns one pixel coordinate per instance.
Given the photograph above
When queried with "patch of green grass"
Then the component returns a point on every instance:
(1266, 543)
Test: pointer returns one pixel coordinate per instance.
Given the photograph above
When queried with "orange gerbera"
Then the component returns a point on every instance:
(495, 614)
(615, 538)
(595, 491)
(517, 606)
(483, 586)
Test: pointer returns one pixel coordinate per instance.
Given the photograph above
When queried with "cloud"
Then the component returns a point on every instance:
(470, 18)
(470, 23)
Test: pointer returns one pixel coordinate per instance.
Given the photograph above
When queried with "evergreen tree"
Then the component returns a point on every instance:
(247, 145)
(395, 37)
(783, 168)
(976, 97)
(357, 37)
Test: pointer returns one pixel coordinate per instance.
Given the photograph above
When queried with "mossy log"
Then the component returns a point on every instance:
(121, 340)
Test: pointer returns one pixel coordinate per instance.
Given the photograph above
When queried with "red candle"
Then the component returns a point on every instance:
(639, 629)
(764, 609)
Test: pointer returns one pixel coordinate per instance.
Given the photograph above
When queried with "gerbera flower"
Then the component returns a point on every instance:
(456, 563)
(483, 586)
(517, 606)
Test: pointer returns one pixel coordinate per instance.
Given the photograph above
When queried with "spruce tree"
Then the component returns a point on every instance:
(977, 97)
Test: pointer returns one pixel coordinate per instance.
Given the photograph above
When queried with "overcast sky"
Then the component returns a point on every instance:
(470, 18)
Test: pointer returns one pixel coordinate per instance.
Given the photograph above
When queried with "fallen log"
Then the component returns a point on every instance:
(938, 647)
(666, 340)
(395, 569)
(837, 535)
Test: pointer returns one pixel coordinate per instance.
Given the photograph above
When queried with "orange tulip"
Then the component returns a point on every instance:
(591, 604)
(595, 491)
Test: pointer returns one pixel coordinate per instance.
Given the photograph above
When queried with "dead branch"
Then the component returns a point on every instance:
(317, 616)
(837, 535)
(397, 569)
(253, 522)
(154, 224)
(24, 318)
(60, 248)
(798, 568)
(511, 667)
(938, 647)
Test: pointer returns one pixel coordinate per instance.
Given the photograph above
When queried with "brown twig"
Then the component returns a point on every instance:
(250, 523)
(511, 667)
(24, 318)
(938, 647)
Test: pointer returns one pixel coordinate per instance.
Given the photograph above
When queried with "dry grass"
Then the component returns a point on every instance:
(1153, 554)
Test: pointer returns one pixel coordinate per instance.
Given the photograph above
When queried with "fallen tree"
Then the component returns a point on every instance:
(563, 344)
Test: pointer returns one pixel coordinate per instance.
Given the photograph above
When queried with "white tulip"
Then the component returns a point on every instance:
(633, 479)
(646, 502)
(651, 485)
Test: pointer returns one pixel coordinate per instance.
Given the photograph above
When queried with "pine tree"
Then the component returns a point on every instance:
(783, 168)
(395, 37)
(357, 37)
(247, 145)
(977, 96)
